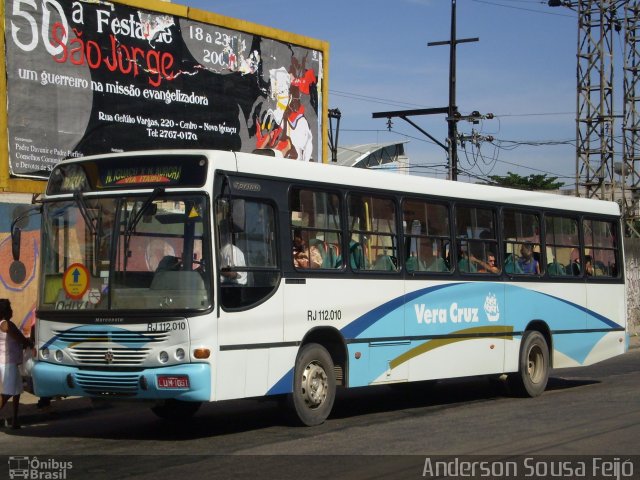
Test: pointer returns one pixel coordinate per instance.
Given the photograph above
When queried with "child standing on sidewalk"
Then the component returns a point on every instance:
(12, 343)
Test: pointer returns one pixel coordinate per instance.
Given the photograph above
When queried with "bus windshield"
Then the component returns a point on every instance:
(130, 253)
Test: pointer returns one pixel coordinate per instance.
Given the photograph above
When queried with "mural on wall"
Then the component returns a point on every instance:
(22, 290)
(97, 77)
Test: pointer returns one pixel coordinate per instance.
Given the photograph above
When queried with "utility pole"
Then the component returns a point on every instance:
(451, 110)
(334, 113)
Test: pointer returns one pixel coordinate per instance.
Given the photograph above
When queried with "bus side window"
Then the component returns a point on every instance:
(427, 236)
(316, 231)
(562, 246)
(522, 255)
(373, 233)
(249, 272)
(477, 240)
(601, 246)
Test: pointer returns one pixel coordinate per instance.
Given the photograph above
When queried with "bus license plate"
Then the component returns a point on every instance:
(173, 381)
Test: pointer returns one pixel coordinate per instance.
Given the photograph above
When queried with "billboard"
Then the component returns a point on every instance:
(87, 77)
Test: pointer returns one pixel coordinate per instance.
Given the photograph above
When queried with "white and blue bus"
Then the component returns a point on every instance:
(183, 277)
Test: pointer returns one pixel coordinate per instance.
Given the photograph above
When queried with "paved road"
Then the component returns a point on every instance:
(589, 411)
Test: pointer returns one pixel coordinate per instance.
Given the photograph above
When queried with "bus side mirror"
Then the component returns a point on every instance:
(17, 270)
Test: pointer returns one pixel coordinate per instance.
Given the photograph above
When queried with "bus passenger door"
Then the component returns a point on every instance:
(250, 299)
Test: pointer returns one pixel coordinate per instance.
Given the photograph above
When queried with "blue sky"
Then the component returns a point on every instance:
(523, 70)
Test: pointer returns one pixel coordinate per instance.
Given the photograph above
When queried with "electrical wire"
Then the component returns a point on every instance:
(525, 9)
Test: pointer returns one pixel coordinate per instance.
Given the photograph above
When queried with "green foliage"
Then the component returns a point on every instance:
(532, 182)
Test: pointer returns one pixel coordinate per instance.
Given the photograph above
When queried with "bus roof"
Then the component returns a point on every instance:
(393, 182)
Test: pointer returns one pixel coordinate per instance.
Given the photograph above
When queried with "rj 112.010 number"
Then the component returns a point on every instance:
(165, 326)
(323, 315)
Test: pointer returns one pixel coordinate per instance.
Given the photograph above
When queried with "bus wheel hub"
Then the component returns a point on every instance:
(314, 385)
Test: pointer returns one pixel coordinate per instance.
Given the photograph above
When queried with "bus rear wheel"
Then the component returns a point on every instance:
(314, 385)
(172, 409)
(533, 372)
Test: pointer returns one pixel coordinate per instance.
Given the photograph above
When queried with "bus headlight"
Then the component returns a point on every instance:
(180, 354)
(163, 357)
(58, 355)
(44, 353)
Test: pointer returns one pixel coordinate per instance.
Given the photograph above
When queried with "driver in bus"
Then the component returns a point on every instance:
(230, 257)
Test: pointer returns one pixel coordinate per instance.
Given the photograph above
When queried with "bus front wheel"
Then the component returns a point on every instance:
(533, 372)
(314, 385)
(172, 409)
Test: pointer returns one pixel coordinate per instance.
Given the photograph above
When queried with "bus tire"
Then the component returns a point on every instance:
(314, 385)
(533, 371)
(172, 409)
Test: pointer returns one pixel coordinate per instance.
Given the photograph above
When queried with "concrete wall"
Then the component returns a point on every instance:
(632, 261)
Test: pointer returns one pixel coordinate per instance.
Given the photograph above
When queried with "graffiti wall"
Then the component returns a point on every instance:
(22, 292)
(88, 77)
(632, 261)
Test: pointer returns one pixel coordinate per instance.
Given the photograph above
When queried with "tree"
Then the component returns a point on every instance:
(532, 182)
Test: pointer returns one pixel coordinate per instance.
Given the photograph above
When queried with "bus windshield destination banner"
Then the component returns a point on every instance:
(97, 77)
(127, 172)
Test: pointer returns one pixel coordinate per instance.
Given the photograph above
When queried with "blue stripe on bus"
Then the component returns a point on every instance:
(577, 329)
(360, 324)
(284, 385)
(591, 313)
(555, 311)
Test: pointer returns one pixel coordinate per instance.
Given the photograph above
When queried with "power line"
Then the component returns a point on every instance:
(389, 101)
(371, 99)
(525, 9)
(540, 114)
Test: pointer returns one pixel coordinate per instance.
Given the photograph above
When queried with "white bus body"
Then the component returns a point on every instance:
(177, 337)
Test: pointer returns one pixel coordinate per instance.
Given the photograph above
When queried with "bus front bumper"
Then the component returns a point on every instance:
(187, 382)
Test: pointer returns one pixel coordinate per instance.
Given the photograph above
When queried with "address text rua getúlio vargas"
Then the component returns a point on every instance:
(617, 468)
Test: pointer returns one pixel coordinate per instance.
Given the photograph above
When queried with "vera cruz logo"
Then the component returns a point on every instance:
(458, 313)
(491, 308)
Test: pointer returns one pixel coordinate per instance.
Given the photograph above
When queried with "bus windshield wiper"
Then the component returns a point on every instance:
(89, 219)
(140, 212)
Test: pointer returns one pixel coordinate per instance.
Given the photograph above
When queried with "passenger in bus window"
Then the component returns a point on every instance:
(230, 257)
(527, 262)
(303, 255)
(465, 263)
(588, 266)
(488, 266)
(576, 267)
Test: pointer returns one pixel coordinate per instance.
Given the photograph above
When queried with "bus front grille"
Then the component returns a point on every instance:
(108, 385)
(77, 336)
(101, 356)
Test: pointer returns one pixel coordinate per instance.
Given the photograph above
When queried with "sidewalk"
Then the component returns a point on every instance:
(30, 413)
